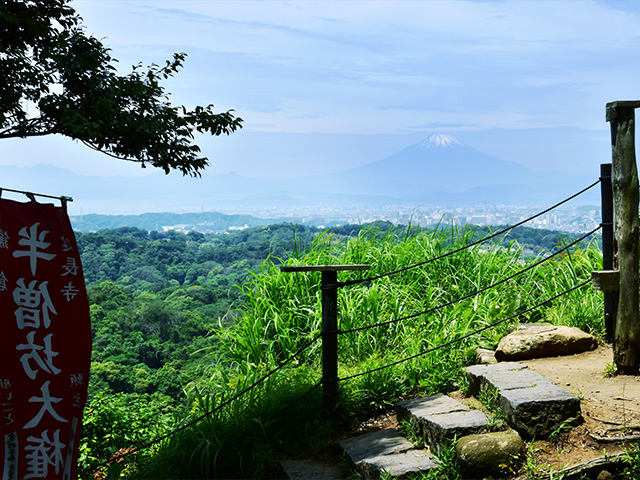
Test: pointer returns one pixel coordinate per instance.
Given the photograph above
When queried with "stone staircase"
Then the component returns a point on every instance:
(531, 404)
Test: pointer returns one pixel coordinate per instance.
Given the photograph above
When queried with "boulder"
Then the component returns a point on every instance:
(489, 454)
(485, 357)
(544, 341)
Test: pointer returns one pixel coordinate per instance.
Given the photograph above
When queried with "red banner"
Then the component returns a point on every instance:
(45, 344)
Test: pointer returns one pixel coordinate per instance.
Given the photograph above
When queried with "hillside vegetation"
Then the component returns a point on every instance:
(184, 324)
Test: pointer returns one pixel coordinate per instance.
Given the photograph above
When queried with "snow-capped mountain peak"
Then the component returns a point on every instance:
(439, 140)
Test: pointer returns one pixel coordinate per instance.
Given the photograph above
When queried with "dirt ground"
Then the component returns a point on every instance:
(610, 408)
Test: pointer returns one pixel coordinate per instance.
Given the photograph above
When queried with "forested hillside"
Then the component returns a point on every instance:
(169, 310)
(155, 297)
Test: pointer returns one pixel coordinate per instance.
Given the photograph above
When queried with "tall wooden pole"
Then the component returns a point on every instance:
(626, 346)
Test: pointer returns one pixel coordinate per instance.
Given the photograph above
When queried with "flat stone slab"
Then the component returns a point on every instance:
(310, 469)
(538, 411)
(432, 405)
(533, 405)
(441, 430)
(508, 379)
(479, 375)
(409, 464)
(375, 444)
(439, 418)
(385, 453)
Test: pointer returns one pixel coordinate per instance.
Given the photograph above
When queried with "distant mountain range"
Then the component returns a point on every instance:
(439, 170)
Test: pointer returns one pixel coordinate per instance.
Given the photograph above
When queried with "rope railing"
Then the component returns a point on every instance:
(185, 425)
(368, 280)
(118, 456)
(330, 285)
(477, 292)
(475, 332)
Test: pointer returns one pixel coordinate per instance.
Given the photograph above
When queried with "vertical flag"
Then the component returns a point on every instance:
(45, 342)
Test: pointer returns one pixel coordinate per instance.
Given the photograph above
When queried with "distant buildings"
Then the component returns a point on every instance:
(568, 219)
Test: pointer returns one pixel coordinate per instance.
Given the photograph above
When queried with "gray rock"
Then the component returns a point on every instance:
(489, 454)
(439, 418)
(544, 341)
(537, 411)
(385, 452)
(485, 357)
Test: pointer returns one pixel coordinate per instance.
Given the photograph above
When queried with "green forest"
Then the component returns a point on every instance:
(182, 323)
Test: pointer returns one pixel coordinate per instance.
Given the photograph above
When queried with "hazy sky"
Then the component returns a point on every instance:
(326, 85)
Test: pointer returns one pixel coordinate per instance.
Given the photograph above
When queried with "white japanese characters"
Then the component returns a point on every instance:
(40, 274)
(35, 243)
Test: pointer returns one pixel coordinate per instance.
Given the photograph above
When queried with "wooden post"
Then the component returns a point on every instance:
(610, 296)
(330, 339)
(626, 345)
(329, 326)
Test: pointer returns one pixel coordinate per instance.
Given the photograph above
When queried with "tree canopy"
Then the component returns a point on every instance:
(56, 79)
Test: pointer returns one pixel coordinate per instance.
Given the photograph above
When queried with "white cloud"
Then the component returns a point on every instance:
(383, 67)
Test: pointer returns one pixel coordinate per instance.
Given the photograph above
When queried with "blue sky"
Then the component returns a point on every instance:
(327, 85)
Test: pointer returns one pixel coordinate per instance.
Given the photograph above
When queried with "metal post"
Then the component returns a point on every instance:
(330, 340)
(329, 287)
(610, 297)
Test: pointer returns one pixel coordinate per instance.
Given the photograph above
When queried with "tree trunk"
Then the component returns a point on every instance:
(626, 349)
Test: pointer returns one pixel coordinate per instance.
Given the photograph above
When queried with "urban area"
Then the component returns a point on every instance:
(575, 219)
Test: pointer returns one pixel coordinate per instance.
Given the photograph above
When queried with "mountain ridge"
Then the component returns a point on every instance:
(438, 170)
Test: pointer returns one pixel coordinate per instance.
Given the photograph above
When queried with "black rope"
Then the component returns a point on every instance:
(452, 302)
(299, 397)
(354, 282)
(382, 275)
(456, 340)
(147, 445)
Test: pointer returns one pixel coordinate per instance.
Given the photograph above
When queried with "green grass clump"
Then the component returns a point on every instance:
(281, 315)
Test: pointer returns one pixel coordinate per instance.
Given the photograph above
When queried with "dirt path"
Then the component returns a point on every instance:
(610, 407)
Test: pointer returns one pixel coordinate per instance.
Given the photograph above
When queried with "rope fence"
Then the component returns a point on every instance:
(475, 332)
(477, 292)
(187, 424)
(465, 247)
(332, 286)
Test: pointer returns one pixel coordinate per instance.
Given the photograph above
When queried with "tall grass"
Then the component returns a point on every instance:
(282, 312)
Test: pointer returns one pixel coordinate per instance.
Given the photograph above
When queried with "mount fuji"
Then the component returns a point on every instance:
(440, 170)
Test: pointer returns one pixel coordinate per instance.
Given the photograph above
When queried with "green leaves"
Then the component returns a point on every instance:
(50, 63)
(114, 425)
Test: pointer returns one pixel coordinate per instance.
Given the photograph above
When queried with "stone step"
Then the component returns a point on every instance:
(386, 454)
(534, 406)
(439, 419)
(311, 469)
